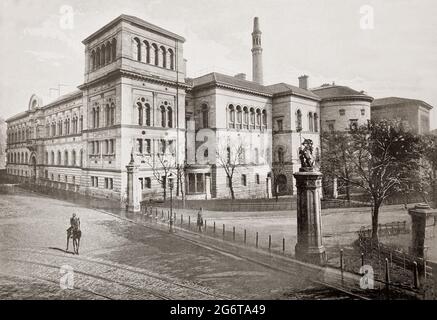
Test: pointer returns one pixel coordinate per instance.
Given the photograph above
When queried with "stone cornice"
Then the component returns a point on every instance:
(349, 98)
(133, 75)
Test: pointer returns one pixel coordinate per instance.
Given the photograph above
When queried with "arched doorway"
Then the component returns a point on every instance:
(281, 183)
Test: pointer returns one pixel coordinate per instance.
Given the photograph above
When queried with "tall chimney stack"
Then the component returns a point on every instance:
(257, 61)
(303, 82)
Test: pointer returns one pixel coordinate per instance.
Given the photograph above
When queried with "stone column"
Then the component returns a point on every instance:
(207, 187)
(420, 214)
(269, 187)
(133, 201)
(309, 245)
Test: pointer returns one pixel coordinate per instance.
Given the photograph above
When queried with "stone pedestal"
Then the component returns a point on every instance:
(269, 187)
(133, 199)
(421, 216)
(309, 247)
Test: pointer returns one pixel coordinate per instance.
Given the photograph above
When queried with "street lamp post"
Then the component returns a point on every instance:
(170, 180)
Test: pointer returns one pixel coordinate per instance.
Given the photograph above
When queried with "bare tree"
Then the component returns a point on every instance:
(230, 157)
(163, 165)
(379, 159)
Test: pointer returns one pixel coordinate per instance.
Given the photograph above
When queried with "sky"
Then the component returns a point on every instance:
(386, 48)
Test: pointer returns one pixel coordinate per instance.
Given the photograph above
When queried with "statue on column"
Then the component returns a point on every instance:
(306, 155)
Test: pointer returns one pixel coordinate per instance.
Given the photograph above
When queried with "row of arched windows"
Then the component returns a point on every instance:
(18, 157)
(66, 159)
(103, 55)
(64, 127)
(313, 121)
(109, 115)
(246, 117)
(152, 53)
(19, 133)
(145, 117)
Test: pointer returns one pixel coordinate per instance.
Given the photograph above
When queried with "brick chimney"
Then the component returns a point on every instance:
(303, 82)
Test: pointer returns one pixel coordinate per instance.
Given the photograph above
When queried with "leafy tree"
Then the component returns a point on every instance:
(379, 159)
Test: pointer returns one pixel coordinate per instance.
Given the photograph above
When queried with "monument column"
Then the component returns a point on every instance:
(133, 201)
(309, 247)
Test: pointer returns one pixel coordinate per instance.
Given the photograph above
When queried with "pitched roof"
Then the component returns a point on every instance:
(216, 78)
(136, 21)
(285, 88)
(392, 101)
(335, 92)
(65, 97)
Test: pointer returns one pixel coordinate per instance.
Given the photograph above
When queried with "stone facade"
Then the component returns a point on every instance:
(137, 101)
(414, 114)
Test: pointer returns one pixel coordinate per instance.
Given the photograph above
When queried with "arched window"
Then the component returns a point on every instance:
(258, 118)
(114, 48)
(316, 122)
(310, 121)
(147, 114)
(164, 56)
(170, 117)
(147, 51)
(245, 118)
(155, 54)
(298, 121)
(52, 161)
(25, 158)
(231, 116)
(81, 158)
(264, 119)
(171, 58)
(252, 118)
(103, 54)
(81, 123)
(228, 155)
(281, 154)
(73, 158)
(97, 117)
(140, 113)
(136, 49)
(59, 158)
(98, 57)
(66, 158)
(112, 114)
(205, 116)
(317, 155)
(239, 117)
(107, 115)
(46, 158)
(108, 52)
(163, 120)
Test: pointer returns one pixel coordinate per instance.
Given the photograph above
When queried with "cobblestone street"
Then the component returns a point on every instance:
(120, 259)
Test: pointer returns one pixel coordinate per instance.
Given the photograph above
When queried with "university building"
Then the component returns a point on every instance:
(211, 134)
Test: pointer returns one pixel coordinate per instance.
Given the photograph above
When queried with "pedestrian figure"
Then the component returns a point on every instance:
(200, 220)
(74, 232)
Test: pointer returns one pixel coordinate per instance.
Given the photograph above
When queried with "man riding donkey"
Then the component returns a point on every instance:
(74, 232)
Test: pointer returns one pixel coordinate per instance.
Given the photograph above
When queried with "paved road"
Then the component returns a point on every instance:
(122, 260)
